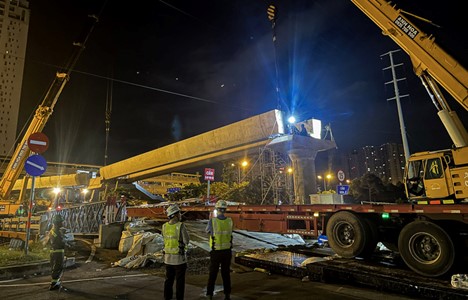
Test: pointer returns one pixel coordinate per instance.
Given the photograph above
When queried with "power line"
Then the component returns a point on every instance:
(156, 89)
(161, 90)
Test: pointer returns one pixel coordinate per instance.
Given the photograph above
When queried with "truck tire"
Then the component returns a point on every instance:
(349, 235)
(426, 248)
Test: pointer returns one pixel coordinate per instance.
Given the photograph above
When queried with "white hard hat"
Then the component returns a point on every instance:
(172, 209)
(221, 204)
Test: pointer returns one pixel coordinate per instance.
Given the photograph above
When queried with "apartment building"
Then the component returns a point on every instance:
(14, 23)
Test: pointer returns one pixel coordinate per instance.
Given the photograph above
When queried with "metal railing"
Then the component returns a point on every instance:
(83, 218)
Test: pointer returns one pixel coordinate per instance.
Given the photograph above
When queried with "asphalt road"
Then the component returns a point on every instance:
(138, 285)
(98, 280)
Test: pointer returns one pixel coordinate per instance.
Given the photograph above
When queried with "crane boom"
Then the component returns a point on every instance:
(43, 112)
(425, 54)
(430, 62)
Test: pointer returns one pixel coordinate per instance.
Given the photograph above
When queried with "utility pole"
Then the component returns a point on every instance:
(108, 116)
(397, 97)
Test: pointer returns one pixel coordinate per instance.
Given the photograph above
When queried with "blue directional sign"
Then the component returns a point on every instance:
(35, 165)
(173, 190)
(342, 189)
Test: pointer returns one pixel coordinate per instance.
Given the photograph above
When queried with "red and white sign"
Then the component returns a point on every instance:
(209, 174)
(340, 175)
(38, 142)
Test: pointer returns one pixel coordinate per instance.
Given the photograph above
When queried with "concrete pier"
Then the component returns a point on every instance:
(302, 150)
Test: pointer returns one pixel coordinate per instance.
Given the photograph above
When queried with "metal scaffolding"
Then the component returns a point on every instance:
(276, 180)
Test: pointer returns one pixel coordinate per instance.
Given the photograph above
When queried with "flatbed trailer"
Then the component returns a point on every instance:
(379, 272)
(432, 239)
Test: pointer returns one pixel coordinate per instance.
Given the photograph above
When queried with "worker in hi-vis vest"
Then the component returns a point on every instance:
(176, 240)
(57, 251)
(220, 230)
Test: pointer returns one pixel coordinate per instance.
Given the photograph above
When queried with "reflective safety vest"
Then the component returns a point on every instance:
(221, 236)
(172, 239)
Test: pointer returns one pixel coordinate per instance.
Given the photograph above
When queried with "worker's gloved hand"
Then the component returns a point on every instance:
(64, 230)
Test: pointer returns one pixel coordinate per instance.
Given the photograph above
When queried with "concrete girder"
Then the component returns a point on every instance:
(213, 146)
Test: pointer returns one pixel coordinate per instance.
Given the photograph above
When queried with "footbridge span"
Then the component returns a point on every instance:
(244, 137)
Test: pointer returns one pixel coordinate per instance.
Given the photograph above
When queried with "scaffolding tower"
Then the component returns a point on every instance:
(276, 181)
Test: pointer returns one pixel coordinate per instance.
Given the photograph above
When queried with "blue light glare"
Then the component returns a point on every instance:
(291, 120)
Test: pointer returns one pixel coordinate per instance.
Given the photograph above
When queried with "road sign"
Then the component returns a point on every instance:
(209, 174)
(38, 142)
(342, 189)
(340, 175)
(35, 165)
(173, 190)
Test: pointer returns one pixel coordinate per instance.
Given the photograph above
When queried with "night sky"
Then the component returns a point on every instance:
(181, 68)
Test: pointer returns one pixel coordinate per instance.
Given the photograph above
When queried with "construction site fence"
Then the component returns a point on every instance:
(83, 218)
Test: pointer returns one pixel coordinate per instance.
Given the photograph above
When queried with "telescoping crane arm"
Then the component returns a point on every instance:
(432, 64)
(43, 112)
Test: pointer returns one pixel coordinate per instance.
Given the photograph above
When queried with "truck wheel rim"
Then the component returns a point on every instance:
(344, 234)
(424, 248)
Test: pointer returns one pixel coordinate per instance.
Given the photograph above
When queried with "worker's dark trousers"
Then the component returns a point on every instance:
(56, 265)
(223, 258)
(176, 272)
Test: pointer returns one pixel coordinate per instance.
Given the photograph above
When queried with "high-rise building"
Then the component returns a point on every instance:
(393, 162)
(14, 24)
(386, 161)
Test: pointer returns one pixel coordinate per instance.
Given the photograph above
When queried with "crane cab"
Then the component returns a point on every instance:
(438, 175)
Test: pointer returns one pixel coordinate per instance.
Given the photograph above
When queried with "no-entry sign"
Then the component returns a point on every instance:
(38, 142)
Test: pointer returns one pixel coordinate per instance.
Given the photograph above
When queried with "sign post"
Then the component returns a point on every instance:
(209, 176)
(35, 165)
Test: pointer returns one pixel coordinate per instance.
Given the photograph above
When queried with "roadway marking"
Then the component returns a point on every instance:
(75, 280)
(93, 249)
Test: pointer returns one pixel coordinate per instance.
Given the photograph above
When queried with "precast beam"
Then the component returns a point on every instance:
(228, 140)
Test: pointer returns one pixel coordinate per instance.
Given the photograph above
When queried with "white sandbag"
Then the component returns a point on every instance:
(126, 241)
(124, 261)
(155, 245)
(139, 240)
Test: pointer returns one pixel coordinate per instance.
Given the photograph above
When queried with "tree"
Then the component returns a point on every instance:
(369, 187)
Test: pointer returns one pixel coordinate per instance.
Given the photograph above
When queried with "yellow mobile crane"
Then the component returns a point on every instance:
(439, 176)
(43, 112)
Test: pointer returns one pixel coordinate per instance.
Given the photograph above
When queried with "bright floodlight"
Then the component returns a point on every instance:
(56, 190)
(292, 119)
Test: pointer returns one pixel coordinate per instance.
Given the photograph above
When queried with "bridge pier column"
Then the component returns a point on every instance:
(302, 151)
(304, 175)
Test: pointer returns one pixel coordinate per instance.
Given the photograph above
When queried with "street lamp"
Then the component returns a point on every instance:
(84, 191)
(242, 164)
(328, 179)
(325, 179)
(324, 184)
(56, 191)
